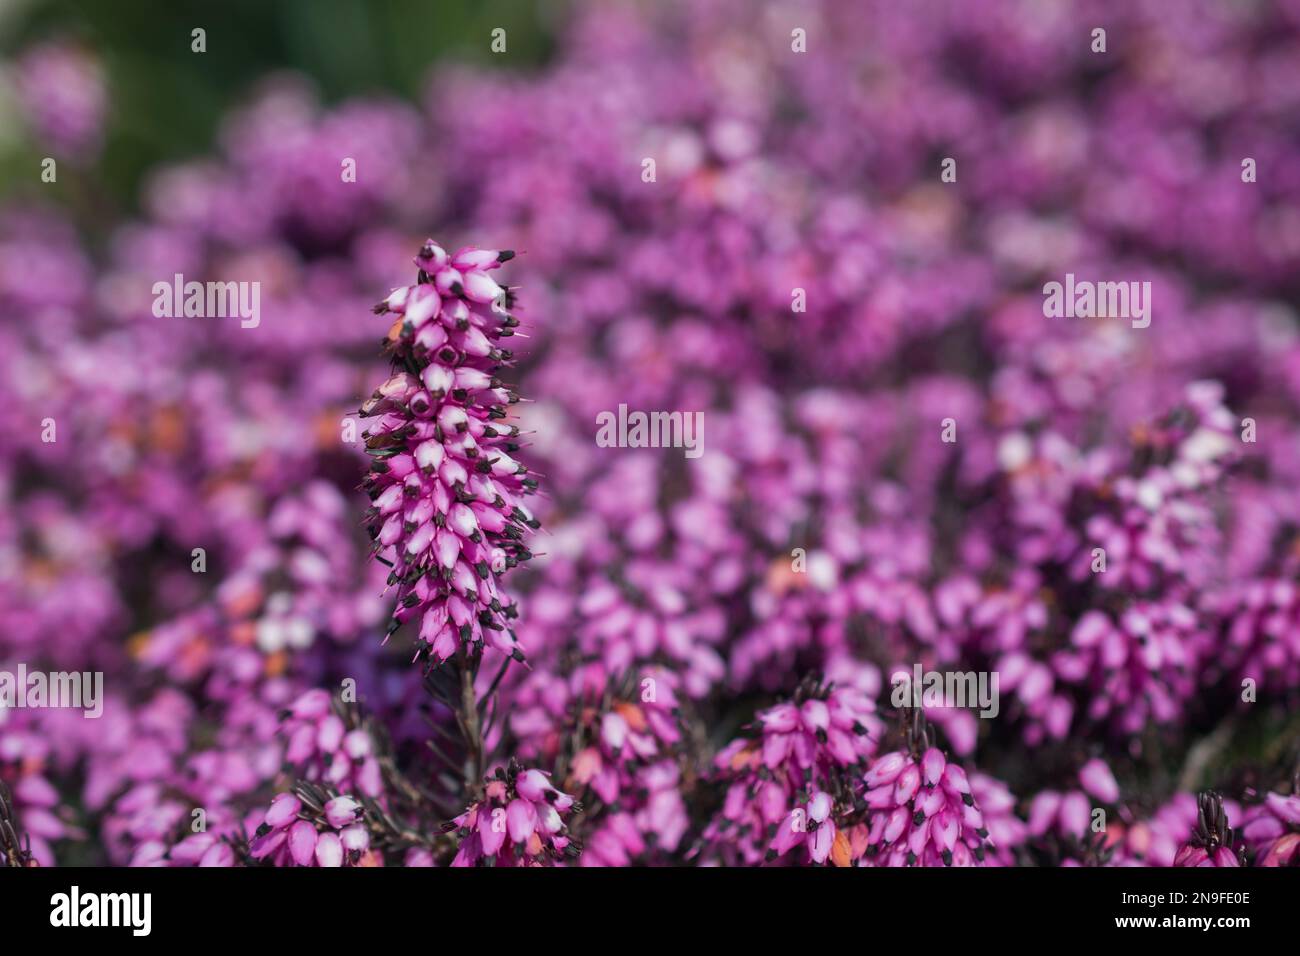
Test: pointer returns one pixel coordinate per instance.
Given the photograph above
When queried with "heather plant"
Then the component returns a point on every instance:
(1271, 830)
(1212, 843)
(444, 487)
(362, 605)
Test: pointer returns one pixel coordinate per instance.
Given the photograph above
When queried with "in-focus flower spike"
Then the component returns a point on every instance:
(1211, 843)
(446, 490)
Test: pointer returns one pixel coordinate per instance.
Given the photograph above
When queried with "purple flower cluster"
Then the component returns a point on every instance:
(619, 747)
(62, 93)
(923, 812)
(300, 830)
(1212, 843)
(906, 465)
(445, 490)
(787, 787)
(1272, 830)
(518, 822)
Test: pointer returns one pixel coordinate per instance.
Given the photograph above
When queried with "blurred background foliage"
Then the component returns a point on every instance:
(166, 101)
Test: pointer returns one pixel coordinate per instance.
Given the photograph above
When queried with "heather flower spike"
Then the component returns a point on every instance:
(445, 488)
(1212, 840)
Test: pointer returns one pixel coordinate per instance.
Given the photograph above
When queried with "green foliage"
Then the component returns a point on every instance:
(166, 100)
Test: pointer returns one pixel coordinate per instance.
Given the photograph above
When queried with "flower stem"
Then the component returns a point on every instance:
(469, 721)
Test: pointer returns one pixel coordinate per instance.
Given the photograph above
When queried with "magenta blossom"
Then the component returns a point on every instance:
(1272, 829)
(324, 746)
(921, 810)
(805, 763)
(810, 826)
(445, 489)
(1211, 843)
(617, 745)
(517, 822)
(62, 90)
(310, 828)
(1069, 814)
(1007, 832)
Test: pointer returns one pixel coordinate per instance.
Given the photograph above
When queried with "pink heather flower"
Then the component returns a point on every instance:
(1062, 825)
(1157, 524)
(418, 857)
(32, 800)
(153, 820)
(299, 577)
(651, 821)
(1096, 778)
(203, 850)
(820, 742)
(617, 749)
(517, 822)
(1261, 621)
(61, 89)
(1211, 843)
(1140, 666)
(145, 820)
(1007, 832)
(921, 810)
(820, 731)
(1157, 839)
(342, 812)
(1069, 814)
(1271, 830)
(654, 604)
(1002, 624)
(445, 490)
(270, 145)
(310, 828)
(327, 744)
(812, 827)
(630, 734)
